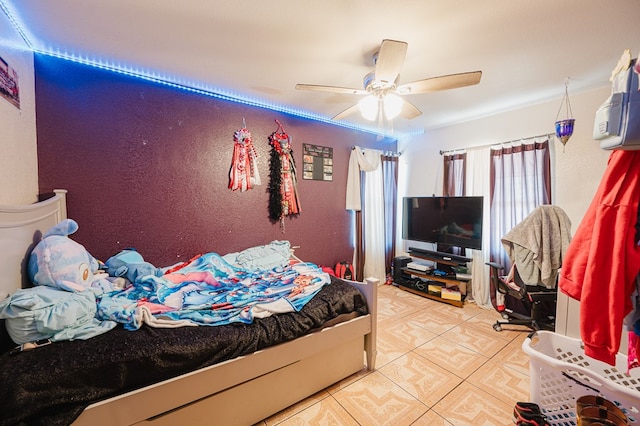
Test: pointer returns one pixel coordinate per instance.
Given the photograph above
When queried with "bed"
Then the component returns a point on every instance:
(186, 375)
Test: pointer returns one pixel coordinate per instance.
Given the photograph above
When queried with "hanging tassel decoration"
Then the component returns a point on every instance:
(243, 174)
(283, 191)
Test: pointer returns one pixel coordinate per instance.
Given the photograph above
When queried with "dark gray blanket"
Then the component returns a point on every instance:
(51, 385)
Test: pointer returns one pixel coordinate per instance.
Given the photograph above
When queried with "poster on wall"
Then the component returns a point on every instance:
(9, 88)
(317, 162)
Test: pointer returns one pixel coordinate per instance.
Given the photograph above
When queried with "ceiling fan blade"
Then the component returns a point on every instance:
(332, 89)
(390, 60)
(409, 110)
(444, 82)
(351, 110)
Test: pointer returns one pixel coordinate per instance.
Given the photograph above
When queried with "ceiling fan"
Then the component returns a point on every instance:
(383, 94)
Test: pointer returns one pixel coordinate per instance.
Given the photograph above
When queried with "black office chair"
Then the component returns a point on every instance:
(533, 306)
(536, 247)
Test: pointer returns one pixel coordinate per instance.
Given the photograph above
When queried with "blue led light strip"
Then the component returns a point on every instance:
(15, 24)
(202, 91)
(167, 81)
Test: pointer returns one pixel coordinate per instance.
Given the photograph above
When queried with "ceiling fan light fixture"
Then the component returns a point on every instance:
(369, 107)
(382, 89)
(392, 106)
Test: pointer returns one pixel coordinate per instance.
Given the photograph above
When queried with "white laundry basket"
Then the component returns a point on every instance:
(561, 373)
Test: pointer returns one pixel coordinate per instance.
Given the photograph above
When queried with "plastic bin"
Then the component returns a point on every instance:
(560, 373)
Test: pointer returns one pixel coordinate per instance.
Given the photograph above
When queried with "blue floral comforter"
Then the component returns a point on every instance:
(211, 291)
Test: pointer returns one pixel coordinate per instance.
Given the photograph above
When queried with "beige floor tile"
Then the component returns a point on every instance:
(407, 331)
(397, 307)
(467, 405)
(376, 400)
(434, 321)
(347, 381)
(487, 317)
(485, 342)
(396, 337)
(465, 313)
(387, 355)
(437, 365)
(473, 306)
(422, 378)
(296, 408)
(514, 357)
(431, 418)
(325, 412)
(506, 384)
(455, 358)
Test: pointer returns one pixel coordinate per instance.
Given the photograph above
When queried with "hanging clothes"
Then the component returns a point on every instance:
(632, 327)
(366, 160)
(603, 259)
(283, 191)
(243, 174)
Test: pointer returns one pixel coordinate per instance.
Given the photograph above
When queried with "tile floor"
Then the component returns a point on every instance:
(437, 365)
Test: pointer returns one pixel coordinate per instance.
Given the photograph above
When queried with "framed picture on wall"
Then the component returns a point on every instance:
(317, 162)
(9, 88)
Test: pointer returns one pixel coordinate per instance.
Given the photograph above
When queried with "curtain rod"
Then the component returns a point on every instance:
(442, 152)
(387, 153)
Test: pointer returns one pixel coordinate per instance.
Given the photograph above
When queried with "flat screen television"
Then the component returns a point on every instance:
(446, 221)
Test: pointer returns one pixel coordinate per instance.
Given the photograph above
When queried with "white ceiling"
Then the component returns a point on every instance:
(259, 50)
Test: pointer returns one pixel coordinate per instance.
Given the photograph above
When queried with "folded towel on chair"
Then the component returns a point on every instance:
(538, 243)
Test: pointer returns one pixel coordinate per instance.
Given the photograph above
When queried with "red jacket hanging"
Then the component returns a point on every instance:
(603, 258)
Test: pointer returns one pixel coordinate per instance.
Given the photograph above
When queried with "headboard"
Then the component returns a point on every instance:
(21, 228)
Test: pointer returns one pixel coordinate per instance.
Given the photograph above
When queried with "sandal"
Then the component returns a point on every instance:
(528, 414)
(593, 410)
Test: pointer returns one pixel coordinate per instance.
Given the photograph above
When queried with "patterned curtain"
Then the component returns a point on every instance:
(454, 184)
(454, 174)
(390, 193)
(520, 182)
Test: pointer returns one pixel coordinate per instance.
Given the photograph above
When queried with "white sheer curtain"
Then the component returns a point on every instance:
(369, 161)
(465, 174)
(478, 184)
(374, 241)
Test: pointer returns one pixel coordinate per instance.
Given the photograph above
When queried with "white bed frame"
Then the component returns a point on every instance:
(243, 390)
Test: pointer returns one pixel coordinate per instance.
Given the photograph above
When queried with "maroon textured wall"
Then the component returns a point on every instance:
(146, 166)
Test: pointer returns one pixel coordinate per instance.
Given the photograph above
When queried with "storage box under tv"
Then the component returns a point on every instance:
(451, 293)
(435, 288)
(560, 373)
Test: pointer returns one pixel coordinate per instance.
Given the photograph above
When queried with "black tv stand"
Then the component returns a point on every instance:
(419, 282)
(440, 256)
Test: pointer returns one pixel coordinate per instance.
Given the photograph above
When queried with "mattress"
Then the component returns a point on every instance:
(52, 384)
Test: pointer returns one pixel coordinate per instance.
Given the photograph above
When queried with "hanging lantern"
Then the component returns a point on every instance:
(564, 127)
